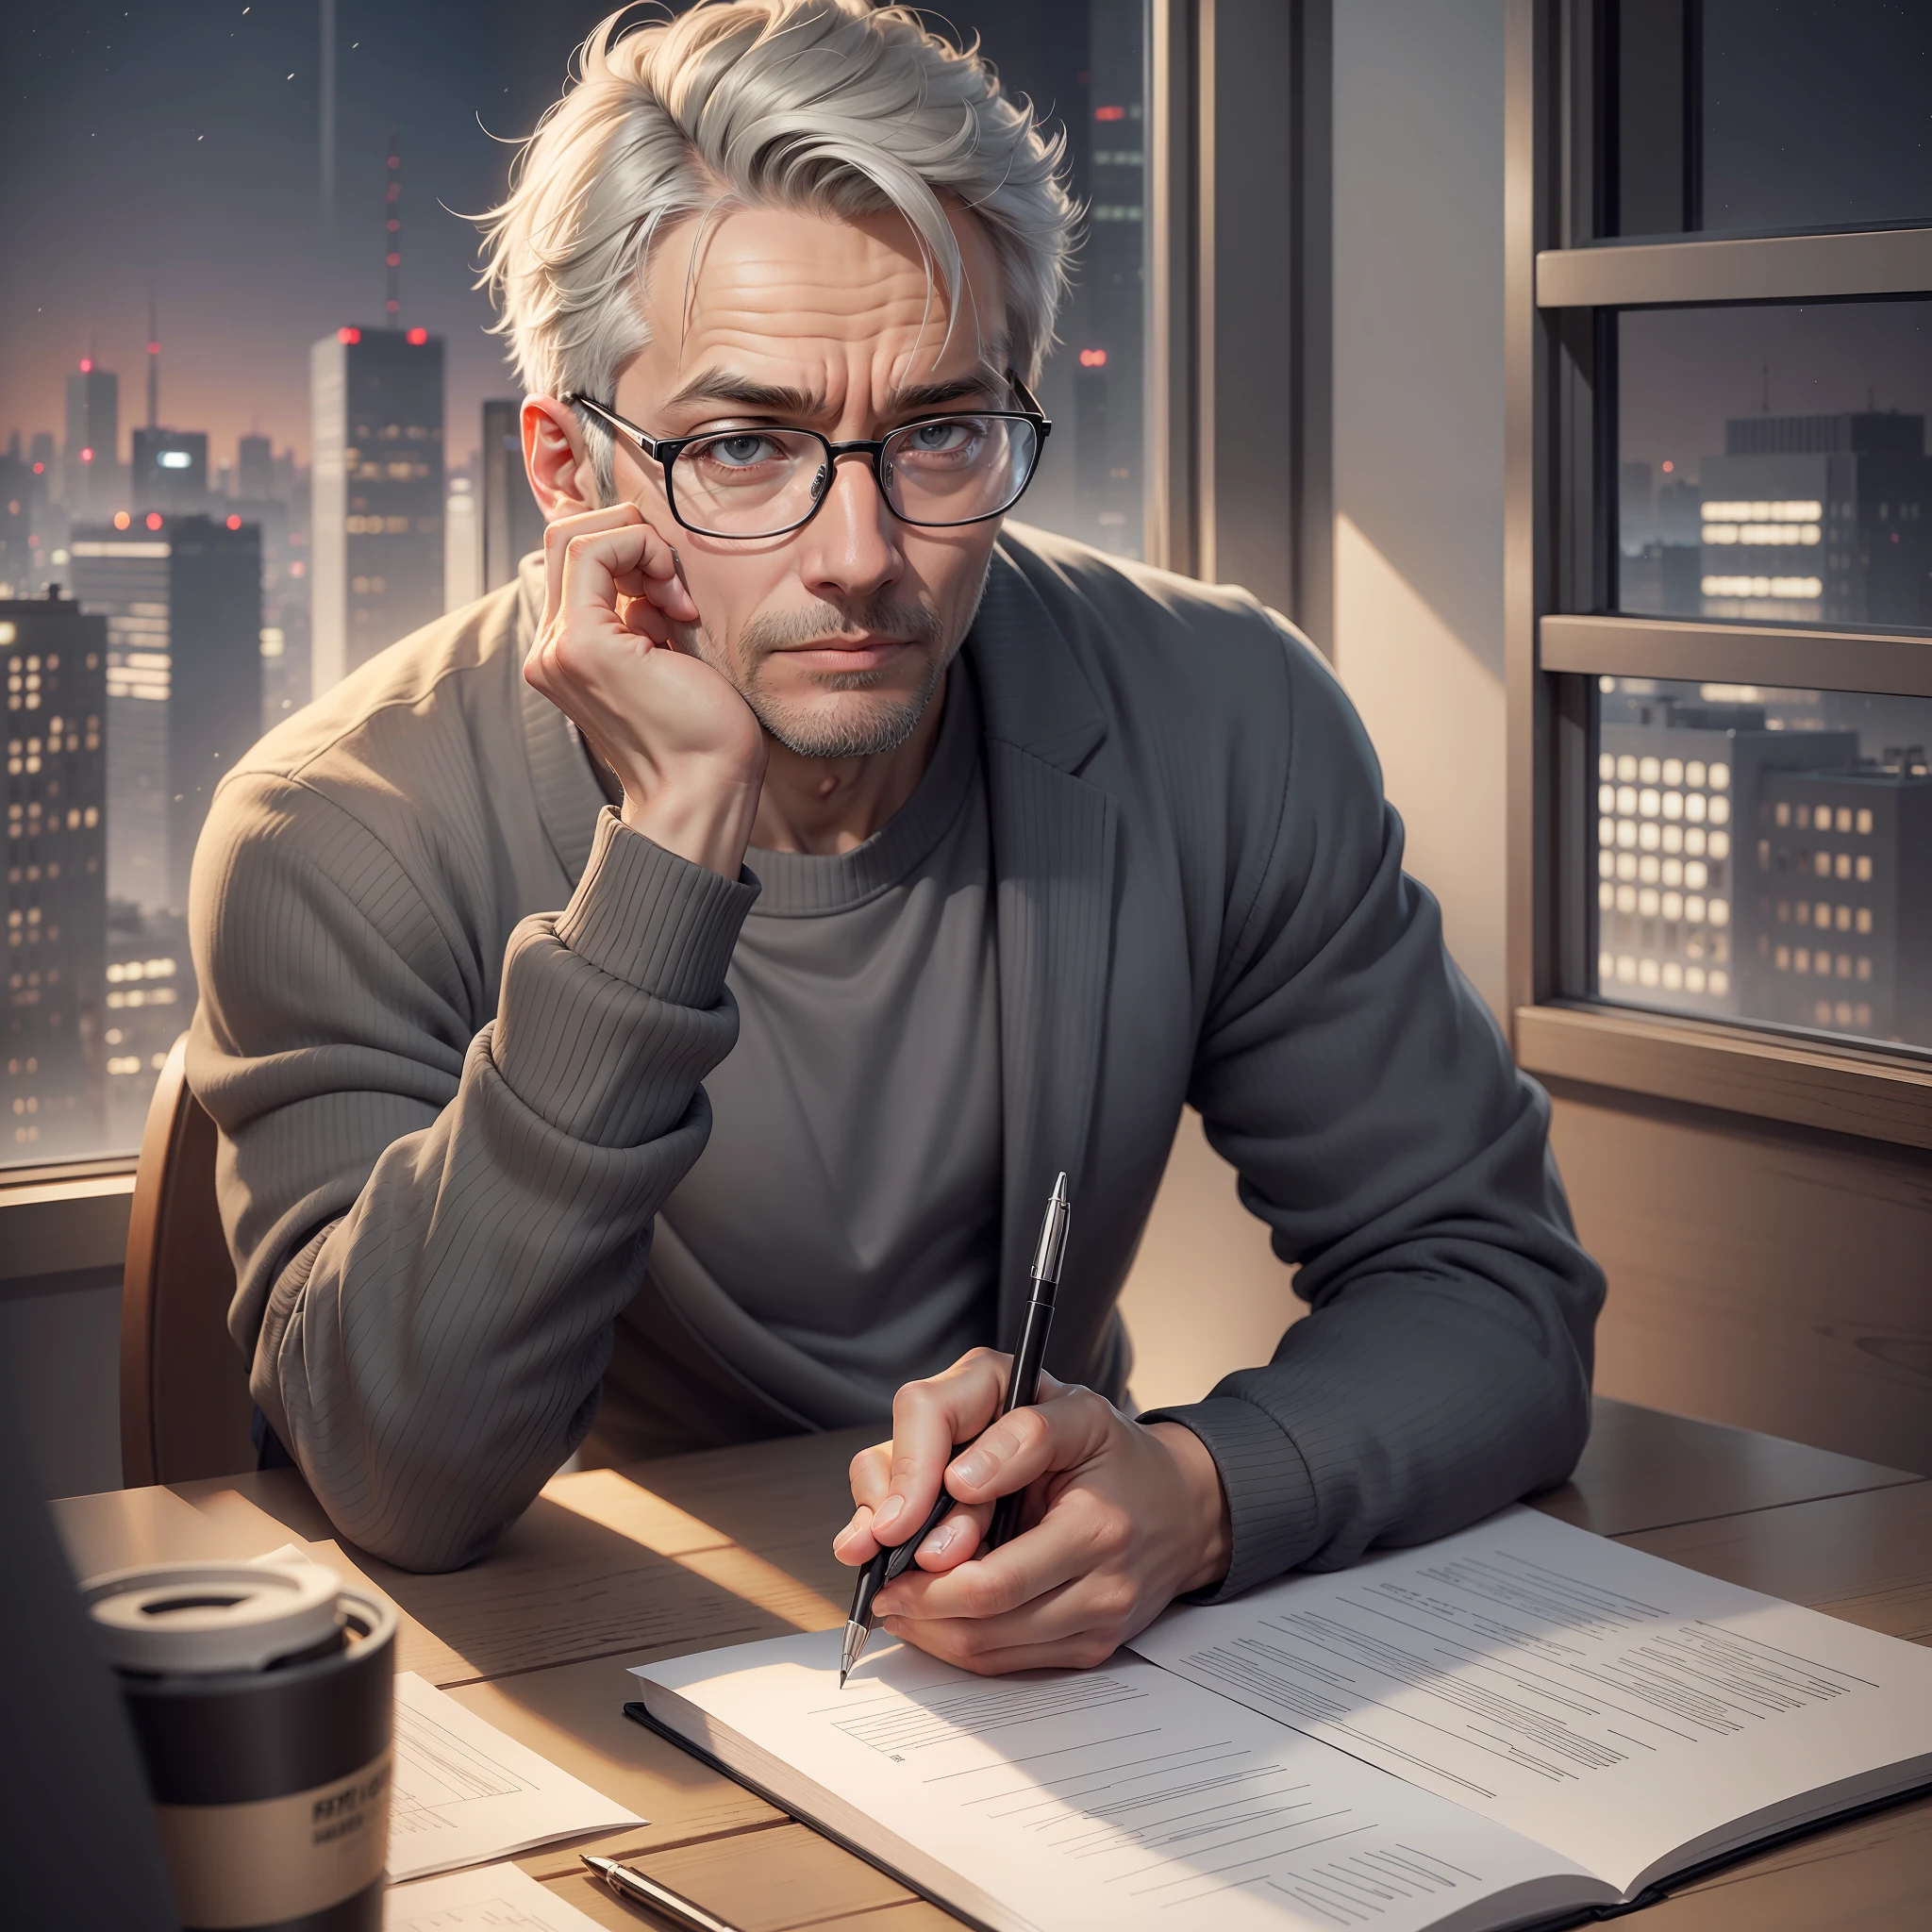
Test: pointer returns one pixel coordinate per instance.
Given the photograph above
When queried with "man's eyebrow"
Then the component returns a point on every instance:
(777, 399)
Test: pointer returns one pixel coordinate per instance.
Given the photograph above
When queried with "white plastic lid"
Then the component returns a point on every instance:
(177, 1619)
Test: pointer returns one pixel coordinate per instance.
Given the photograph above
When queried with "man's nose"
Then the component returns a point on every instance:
(852, 545)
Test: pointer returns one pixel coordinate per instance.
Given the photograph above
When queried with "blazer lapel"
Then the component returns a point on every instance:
(1053, 853)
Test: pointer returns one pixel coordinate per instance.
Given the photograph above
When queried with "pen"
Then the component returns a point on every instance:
(635, 1889)
(1023, 1389)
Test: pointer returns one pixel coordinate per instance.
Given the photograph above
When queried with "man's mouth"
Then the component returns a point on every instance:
(866, 652)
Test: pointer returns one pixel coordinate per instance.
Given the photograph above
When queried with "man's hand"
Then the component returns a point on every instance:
(1119, 1520)
(684, 745)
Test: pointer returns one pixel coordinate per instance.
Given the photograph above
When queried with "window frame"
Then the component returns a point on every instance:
(1563, 284)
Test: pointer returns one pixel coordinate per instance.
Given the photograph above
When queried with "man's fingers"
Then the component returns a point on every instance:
(928, 1419)
(1056, 1434)
(556, 539)
(1074, 1538)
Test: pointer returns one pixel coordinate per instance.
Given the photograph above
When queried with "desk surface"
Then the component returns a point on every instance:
(613, 1567)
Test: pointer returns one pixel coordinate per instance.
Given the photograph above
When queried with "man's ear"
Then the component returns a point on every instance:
(562, 478)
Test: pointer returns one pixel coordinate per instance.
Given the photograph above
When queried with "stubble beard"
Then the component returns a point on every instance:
(845, 731)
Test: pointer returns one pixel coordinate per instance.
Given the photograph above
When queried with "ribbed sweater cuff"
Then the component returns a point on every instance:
(1271, 1495)
(653, 920)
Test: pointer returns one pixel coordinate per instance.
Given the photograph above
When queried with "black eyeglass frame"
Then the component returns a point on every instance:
(665, 450)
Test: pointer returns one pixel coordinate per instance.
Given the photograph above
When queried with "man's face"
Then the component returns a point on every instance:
(836, 634)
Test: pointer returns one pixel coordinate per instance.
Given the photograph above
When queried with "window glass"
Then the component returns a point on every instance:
(1740, 115)
(1772, 464)
(261, 433)
(1765, 855)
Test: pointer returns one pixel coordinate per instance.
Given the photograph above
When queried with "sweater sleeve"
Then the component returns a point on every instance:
(1367, 1099)
(434, 1231)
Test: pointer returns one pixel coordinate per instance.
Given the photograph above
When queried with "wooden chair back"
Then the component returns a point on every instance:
(185, 1406)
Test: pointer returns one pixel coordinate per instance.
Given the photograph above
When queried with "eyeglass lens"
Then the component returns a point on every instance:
(761, 482)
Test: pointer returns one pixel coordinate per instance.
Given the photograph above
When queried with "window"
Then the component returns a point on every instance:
(1727, 491)
(1735, 116)
(312, 320)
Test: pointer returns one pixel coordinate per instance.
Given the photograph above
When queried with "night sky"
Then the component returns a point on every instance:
(180, 143)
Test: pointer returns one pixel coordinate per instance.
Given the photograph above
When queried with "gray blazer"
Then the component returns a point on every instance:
(449, 1111)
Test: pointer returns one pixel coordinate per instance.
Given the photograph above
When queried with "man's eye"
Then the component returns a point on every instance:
(957, 436)
(738, 452)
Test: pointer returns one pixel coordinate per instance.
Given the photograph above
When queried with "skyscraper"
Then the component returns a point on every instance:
(1819, 519)
(377, 554)
(90, 480)
(255, 469)
(168, 471)
(513, 524)
(1844, 877)
(53, 894)
(1678, 787)
(182, 598)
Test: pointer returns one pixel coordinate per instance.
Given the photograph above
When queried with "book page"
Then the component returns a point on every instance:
(1118, 1797)
(1616, 1707)
(496, 1898)
(463, 1791)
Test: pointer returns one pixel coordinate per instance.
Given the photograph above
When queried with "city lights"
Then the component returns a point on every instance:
(1093, 358)
(1763, 587)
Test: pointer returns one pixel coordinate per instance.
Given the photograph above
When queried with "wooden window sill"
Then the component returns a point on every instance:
(1873, 1095)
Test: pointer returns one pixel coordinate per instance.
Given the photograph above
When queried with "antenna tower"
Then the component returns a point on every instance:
(154, 363)
(392, 235)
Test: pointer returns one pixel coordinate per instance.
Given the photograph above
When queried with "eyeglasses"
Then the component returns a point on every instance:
(939, 473)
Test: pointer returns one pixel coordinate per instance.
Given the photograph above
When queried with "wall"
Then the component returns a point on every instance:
(60, 1369)
(1418, 244)
(1418, 453)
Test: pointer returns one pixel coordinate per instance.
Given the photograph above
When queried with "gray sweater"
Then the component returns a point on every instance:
(450, 1111)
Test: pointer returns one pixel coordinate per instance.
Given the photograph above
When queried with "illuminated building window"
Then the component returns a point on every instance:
(1865, 819)
(1864, 919)
(1649, 835)
(1863, 869)
(1782, 958)
(1864, 968)
(1647, 871)
(1800, 961)
(1694, 979)
(1626, 863)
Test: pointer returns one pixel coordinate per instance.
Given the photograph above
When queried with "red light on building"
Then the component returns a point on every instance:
(417, 337)
(154, 520)
(393, 307)
(1109, 114)
(87, 365)
(87, 456)
(393, 260)
(1093, 358)
(38, 468)
(348, 335)
(154, 348)
(234, 523)
(1669, 467)
(298, 569)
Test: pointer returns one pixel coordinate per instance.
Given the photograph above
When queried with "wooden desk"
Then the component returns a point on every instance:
(613, 1567)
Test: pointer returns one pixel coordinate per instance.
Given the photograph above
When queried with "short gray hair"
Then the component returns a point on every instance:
(830, 107)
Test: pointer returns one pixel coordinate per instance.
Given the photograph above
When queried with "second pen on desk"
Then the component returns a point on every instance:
(1023, 1391)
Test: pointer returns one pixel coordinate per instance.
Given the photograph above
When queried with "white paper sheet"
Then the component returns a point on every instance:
(1604, 1703)
(496, 1898)
(1116, 1798)
(464, 1792)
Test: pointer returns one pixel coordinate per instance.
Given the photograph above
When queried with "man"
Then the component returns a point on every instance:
(903, 859)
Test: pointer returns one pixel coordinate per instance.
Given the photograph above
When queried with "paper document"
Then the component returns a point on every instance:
(464, 1792)
(498, 1898)
(1618, 1708)
(1114, 1797)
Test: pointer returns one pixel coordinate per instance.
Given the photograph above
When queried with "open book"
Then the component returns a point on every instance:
(1517, 1722)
